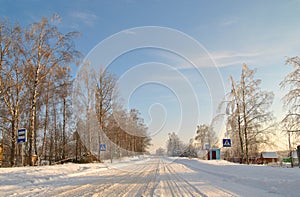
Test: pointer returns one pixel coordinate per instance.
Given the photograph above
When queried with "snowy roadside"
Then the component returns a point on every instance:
(247, 180)
(14, 180)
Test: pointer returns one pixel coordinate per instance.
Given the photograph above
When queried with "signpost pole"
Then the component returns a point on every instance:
(22, 154)
(298, 154)
(22, 138)
(298, 148)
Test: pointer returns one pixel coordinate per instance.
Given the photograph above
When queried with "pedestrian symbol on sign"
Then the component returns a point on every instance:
(226, 143)
(102, 147)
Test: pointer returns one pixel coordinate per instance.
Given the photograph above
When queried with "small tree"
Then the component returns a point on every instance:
(175, 147)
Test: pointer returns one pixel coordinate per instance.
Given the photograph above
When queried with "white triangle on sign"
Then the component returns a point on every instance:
(227, 142)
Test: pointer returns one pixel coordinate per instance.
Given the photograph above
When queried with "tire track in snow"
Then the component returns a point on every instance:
(186, 185)
(207, 188)
(177, 186)
(156, 177)
(92, 186)
(141, 180)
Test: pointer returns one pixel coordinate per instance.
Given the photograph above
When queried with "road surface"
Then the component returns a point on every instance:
(153, 176)
(157, 176)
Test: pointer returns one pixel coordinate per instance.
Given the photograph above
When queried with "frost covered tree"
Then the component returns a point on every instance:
(205, 135)
(104, 97)
(102, 118)
(175, 146)
(248, 113)
(291, 100)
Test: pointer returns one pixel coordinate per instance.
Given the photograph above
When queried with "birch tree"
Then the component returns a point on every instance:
(205, 134)
(84, 107)
(47, 49)
(104, 97)
(249, 115)
(12, 80)
(127, 133)
(175, 146)
(291, 100)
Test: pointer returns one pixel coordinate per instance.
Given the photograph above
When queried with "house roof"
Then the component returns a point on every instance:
(269, 155)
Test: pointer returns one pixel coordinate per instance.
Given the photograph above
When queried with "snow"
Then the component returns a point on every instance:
(151, 176)
(269, 155)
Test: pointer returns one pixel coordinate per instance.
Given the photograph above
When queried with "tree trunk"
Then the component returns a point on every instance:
(238, 119)
(31, 133)
(13, 144)
(64, 128)
(76, 146)
(43, 155)
(51, 148)
(240, 134)
(245, 115)
(56, 137)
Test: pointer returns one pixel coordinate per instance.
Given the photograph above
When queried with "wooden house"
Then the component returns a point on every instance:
(269, 157)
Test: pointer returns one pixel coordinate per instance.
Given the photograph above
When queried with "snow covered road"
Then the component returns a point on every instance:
(153, 176)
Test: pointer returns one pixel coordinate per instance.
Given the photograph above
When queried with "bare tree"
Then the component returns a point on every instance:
(47, 49)
(291, 100)
(205, 135)
(12, 80)
(35, 89)
(234, 120)
(127, 133)
(84, 107)
(248, 113)
(175, 146)
(104, 98)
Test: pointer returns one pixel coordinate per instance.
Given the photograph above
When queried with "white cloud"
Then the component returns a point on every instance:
(130, 32)
(228, 22)
(229, 58)
(217, 59)
(87, 17)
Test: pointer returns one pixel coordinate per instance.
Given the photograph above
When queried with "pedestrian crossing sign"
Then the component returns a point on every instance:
(226, 142)
(102, 147)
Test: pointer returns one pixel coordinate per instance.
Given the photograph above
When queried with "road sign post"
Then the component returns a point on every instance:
(22, 138)
(207, 146)
(298, 154)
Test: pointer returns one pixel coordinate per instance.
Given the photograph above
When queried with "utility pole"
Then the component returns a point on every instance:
(290, 148)
(298, 154)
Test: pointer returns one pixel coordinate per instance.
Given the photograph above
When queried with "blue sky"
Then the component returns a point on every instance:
(172, 95)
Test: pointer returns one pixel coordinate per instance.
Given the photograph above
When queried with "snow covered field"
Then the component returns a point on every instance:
(152, 176)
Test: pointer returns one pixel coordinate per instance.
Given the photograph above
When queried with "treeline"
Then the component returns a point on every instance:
(101, 119)
(36, 90)
(205, 138)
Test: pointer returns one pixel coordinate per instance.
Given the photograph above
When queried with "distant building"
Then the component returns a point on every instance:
(269, 157)
(213, 154)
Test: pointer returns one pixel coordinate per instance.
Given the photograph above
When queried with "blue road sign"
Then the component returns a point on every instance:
(226, 142)
(207, 146)
(102, 147)
(22, 136)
